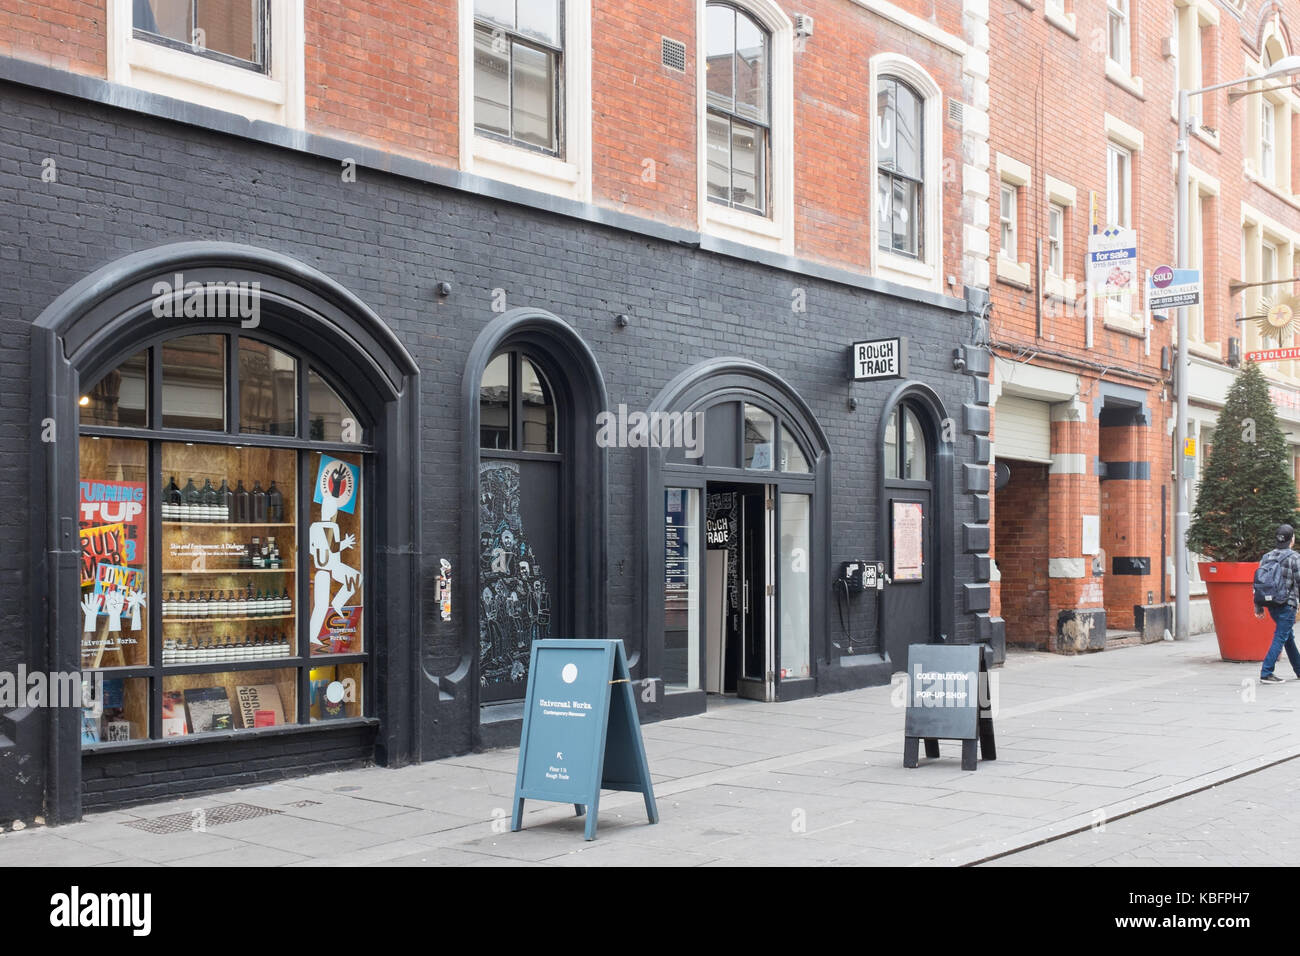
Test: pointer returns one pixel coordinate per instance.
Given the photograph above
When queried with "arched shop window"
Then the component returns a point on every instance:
(224, 538)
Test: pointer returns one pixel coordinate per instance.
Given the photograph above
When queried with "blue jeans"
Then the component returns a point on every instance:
(1284, 617)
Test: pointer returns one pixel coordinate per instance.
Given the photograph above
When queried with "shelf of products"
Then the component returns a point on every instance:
(230, 524)
(234, 572)
(221, 564)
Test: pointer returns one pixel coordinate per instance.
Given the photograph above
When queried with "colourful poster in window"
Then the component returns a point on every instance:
(909, 552)
(115, 585)
(114, 502)
(337, 483)
(340, 633)
(334, 547)
(101, 544)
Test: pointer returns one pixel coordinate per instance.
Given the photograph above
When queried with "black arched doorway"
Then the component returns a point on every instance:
(915, 525)
(737, 531)
(533, 504)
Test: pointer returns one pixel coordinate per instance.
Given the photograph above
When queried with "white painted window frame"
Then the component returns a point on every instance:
(1056, 239)
(927, 271)
(775, 230)
(569, 176)
(1060, 194)
(277, 96)
(1119, 185)
(1007, 221)
(1119, 10)
(1268, 111)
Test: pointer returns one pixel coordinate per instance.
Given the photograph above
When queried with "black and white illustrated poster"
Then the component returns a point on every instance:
(515, 600)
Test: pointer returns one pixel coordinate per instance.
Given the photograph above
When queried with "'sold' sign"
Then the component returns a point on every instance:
(1171, 288)
(881, 358)
(581, 732)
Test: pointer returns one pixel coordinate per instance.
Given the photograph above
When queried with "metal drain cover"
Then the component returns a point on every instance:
(202, 819)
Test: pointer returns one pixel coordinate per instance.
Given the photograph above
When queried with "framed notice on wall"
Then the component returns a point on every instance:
(907, 524)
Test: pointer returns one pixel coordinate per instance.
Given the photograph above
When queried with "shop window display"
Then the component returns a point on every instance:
(258, 563)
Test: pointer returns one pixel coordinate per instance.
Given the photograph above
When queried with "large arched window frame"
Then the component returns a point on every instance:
(215, 643)
(90, 330)
(774, 228)
(1268, 126)
(924, 270)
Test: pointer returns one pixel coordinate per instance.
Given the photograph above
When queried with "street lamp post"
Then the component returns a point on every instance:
(1286, 66)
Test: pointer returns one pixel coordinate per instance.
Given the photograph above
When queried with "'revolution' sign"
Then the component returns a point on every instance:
(881, 358)
(1273, 355)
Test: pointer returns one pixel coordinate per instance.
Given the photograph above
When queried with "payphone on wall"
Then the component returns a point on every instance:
(863, 575)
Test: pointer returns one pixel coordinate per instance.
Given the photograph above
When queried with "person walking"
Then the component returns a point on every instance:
(1283, 607)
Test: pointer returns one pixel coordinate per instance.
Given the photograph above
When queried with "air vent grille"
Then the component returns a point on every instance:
(674, 55)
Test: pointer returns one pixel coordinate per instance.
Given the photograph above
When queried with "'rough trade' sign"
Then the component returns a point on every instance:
(881, 358)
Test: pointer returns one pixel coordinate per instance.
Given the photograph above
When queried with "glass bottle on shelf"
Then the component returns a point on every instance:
(208, 501)
(171, 503)
(243, 503)
(225, 502)
(286, 605)
(274, 504)
(189, 502)
(258, 499)
(255, 552)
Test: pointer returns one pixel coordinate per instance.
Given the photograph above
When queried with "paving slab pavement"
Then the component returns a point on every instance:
(1082, 741)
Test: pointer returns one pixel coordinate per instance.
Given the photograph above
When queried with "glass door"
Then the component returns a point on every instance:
(758, 595)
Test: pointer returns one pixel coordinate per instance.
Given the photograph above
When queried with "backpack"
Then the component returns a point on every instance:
(1270, 585)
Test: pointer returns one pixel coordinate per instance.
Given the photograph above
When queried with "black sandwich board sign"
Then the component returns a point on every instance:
(948, 698)
(581, 732)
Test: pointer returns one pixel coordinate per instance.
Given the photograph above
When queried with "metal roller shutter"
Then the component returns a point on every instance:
(1022, 429)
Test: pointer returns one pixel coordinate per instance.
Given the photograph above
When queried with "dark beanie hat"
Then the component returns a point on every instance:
(1285, 533)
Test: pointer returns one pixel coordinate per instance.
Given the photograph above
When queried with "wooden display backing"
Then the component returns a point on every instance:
(135, 708)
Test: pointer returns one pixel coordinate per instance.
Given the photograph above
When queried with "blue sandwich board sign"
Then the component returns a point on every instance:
(581, 732)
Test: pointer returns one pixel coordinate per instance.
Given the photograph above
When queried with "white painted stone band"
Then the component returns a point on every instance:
(1065, 567)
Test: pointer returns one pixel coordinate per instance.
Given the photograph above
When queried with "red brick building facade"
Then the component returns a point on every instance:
(1082, 136)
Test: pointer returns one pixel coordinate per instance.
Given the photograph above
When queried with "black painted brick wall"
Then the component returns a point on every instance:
(127, 182)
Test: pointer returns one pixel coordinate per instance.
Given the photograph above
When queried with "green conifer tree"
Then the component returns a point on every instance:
(1248, 488)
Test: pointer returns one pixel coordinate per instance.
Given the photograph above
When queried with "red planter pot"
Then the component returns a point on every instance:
(1230, 586)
